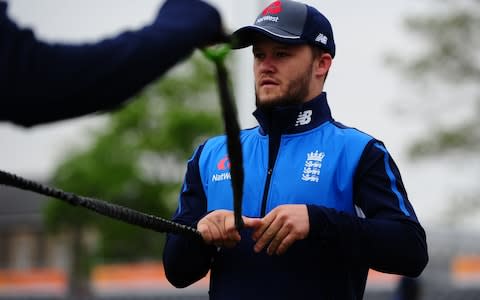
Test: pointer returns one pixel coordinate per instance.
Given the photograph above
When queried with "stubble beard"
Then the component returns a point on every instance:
(295, 93)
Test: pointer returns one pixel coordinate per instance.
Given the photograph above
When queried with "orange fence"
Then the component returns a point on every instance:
(145, 278)
(465, 270)
(149, 278)
(35, 281)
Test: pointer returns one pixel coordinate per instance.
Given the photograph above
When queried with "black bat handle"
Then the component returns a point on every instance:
(114, 211)
(234, 145)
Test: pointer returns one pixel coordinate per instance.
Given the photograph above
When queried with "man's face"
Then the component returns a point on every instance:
(283, 73)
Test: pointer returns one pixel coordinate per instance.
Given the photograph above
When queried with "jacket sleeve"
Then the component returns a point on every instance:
(186, 259)
(386, 235)
(42, 82)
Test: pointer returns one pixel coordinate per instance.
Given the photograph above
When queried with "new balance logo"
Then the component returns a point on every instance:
(304, 118)
(321, 38)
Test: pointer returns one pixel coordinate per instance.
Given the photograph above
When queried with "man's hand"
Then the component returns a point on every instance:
(280, 228)
(218, 228)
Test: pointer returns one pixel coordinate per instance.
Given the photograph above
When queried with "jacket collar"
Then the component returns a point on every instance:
(294, 118)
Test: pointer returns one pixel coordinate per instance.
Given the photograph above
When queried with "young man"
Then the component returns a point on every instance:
(41, 82)
(322, 202)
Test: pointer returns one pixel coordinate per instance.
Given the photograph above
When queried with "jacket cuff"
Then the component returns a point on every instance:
(319, 227)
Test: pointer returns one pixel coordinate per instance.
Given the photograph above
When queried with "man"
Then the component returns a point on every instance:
(322, 202)
(41, 82)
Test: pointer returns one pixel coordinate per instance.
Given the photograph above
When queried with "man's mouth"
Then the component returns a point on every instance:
(267, 82)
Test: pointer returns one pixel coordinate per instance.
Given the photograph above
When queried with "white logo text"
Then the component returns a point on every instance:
(267, 18)
(221, 177)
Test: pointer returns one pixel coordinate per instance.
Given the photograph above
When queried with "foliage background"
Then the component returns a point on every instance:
(136, 160)
(444, 75)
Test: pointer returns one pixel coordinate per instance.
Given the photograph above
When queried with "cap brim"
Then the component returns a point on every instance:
(245, 36)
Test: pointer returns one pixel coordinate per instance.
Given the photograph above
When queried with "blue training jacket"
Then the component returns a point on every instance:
(360, 216)
(43, 82)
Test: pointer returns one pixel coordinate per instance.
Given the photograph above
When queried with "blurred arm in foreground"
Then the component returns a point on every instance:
(42, 82)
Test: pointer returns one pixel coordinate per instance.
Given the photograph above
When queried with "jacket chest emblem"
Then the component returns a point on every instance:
(223, 170)
(313, 164)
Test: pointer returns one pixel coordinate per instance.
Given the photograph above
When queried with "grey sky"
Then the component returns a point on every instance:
(361, 90)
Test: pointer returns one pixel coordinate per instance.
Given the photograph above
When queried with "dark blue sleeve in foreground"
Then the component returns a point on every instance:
(187, 260)
(41, 82)
(389, 238)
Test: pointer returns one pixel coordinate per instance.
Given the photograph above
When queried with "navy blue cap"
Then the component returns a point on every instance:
(289, 22)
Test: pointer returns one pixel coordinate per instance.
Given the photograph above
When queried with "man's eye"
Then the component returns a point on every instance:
(282, 54)
(259, 55)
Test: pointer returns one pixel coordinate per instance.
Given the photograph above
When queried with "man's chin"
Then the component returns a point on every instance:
(268, 102)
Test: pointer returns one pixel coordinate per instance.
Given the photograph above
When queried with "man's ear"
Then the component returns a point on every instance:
(321, 64)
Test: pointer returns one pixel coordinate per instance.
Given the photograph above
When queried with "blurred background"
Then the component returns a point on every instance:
(405, 72)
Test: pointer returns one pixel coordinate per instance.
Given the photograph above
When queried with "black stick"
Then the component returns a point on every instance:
(234, 146)
(111, 210)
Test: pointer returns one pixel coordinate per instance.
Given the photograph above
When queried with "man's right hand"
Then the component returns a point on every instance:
(218, 228)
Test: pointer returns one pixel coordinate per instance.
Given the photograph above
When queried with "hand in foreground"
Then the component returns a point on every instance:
(218, 228)
(280, 228)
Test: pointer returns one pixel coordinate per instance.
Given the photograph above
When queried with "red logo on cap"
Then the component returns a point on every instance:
(274, 8)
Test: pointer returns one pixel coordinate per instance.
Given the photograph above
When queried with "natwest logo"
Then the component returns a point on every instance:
(224, 164)
(274, 8)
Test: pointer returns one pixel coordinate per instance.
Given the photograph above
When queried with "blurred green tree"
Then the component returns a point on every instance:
(137, 160)
(446, 71)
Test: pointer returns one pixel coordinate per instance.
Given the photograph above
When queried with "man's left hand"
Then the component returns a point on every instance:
(280, 228)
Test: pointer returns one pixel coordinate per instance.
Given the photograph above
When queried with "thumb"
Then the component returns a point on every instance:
(252, 222)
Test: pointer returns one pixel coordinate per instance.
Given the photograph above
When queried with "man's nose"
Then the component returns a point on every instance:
(267, 64)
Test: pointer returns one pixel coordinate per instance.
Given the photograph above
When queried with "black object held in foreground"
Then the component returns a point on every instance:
(114, 211)
(232, 131)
